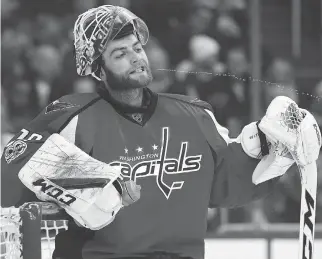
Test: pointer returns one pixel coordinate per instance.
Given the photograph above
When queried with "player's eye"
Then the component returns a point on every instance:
(138, 49)
(118, 56)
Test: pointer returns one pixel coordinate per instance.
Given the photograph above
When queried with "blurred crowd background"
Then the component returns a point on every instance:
(200, 48)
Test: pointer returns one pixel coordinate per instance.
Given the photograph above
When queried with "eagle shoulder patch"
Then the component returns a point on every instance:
(58, 106)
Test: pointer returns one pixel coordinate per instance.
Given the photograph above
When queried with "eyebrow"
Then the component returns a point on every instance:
(124, 48)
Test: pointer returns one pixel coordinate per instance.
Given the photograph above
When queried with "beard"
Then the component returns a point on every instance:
(126, 81)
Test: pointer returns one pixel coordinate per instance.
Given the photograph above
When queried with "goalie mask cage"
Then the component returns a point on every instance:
(28, 232)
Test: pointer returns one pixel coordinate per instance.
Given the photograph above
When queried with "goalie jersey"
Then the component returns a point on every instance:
(172, 147)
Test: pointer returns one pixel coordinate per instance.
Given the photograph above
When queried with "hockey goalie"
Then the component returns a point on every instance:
(135, 170)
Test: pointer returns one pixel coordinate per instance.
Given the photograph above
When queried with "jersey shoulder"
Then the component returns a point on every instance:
(188, 100)
(58, 113)
(71, 102)
(79, 99)
(214, 133)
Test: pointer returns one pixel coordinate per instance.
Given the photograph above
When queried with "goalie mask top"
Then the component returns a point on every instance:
(96, 27)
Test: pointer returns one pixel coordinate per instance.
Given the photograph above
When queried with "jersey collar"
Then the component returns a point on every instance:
(150, 100)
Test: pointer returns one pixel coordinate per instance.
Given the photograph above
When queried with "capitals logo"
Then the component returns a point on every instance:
(163, 165)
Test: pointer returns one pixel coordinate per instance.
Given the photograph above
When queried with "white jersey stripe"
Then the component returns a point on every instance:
(223, 132)
(69, 132)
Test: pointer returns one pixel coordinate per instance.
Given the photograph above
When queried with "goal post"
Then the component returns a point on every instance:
(30, 228)
(28, 232)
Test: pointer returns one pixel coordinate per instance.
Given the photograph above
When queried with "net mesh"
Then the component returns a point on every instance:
(293, 117)
(11, 236)
(10, 233)
(49, 229)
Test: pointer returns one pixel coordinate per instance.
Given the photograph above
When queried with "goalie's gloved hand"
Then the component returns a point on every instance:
(89, 190)
(130, 192)
(296, 128)
(274, 156)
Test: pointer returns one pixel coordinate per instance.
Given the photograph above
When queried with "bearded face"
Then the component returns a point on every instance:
(125, 64)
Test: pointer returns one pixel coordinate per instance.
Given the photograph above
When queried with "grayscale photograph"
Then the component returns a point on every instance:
(161, 129)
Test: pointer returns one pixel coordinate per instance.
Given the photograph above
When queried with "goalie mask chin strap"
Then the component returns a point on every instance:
(98, 64)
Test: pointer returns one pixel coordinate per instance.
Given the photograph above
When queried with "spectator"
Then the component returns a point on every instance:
(229, 25)
(159, 59)
(22, 102)
(167, 21)
(316, 106)
(46, 63)
(280, 81)
(84, 85)
(6, 127)
(239, 82)
(49, 30)
(202, 76)
(8, 8)
(14, 46)
(238, 71)
(203, 63)
(284, 204)
(201, 18)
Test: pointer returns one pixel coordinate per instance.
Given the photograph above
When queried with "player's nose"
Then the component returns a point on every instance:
(134, 59)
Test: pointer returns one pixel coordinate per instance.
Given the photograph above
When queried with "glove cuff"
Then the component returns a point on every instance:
(253, 141)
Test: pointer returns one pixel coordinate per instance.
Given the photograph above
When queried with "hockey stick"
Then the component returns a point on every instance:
(284, 122)
(308, 210)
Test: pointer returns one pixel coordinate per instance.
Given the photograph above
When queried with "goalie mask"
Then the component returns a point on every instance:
(96, 27)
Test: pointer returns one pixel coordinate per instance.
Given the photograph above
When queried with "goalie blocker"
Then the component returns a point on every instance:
(89, 190)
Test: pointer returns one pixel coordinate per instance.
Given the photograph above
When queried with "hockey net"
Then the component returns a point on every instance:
(28, 232)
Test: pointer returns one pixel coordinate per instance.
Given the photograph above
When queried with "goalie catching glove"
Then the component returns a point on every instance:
(292, 135)
(294, 127)
(89, 190)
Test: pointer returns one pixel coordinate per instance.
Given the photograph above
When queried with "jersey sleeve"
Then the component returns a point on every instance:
(53, 119)
(232, 183)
